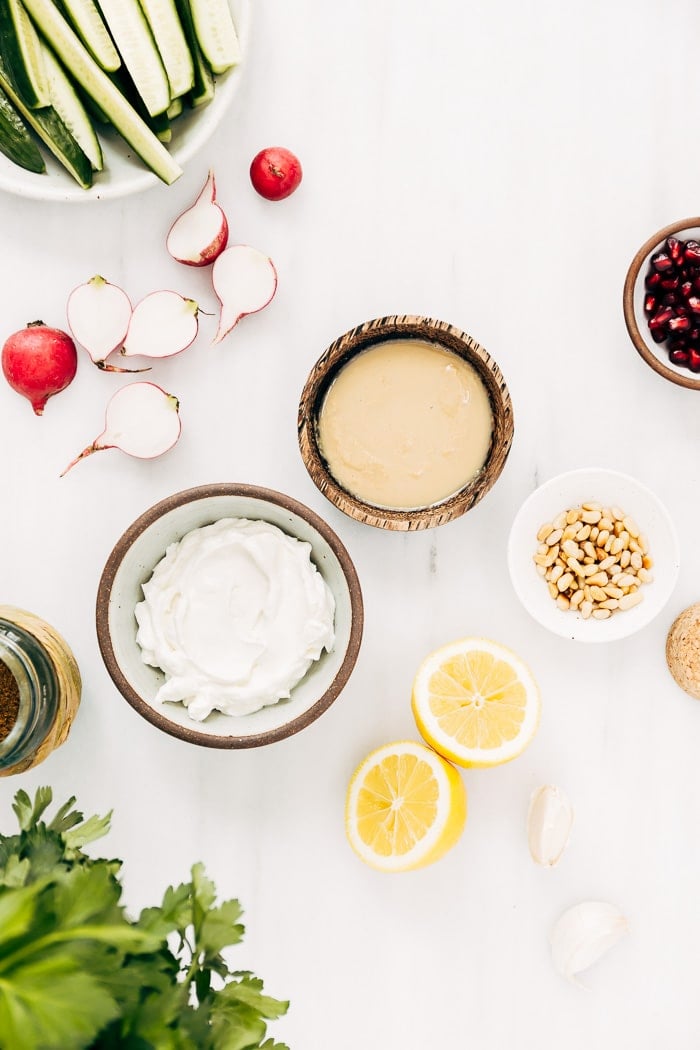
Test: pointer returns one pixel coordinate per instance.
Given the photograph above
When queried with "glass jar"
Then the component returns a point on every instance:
(39, 690)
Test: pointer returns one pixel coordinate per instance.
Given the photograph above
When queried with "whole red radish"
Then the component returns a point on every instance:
(39, 362)
(275, 173)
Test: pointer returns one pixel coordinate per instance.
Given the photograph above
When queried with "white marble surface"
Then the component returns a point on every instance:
(496, 166)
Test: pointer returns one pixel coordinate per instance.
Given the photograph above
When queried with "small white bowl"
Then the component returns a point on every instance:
(125, 173)
(131, 563)
(610, 488)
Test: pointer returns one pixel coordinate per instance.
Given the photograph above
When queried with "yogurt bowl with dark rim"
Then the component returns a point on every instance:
(468, 359)
(144, 545)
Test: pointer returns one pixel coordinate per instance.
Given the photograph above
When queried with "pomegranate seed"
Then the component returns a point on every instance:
(661, 318)
(686, 289)
(693, 360)
(671, 299)
(679, 324)
(652, 280)
(693, 335)
(674, 247)
(670, 282)
(663, 262)
(650, 302)
(679, 356)
(694, 304)
(691, 252)
(657, 334)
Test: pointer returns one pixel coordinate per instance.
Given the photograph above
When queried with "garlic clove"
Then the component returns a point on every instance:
(583, 935)
(549, 821)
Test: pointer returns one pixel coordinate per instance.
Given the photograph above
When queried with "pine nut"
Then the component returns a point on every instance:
(583, 533)
(630, 600)
(617, 513)
(554, 537)
(610, 603)
(576, 599)
(602, 537)
(631, 527)
(565, 581)
(572, 516)
(613, 592)
(592, 506)
(636, 560)
(647, 562)
(543, 548)
(589, 549)
(563, 602)
(645, 576)
(625, 559)
(605, 524)
(556, 572)
(626, 580)
(560, 520)
(601, 614)
(594, 533)
(541, 570)
(599, 579)
(586, 609)
(572, 549)
(554, 593)
(606, 563)
(598, 594)
(545, 531)
(590, 517)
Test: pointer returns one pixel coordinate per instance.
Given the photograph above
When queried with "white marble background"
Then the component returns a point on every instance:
(495, 165)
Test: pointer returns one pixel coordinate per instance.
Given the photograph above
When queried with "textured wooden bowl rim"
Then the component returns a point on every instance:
(425, 329)
(186, 733)
(641, 345)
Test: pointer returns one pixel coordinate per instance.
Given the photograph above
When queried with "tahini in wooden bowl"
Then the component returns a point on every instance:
(131, 563)
(653, 353)
(371, 334)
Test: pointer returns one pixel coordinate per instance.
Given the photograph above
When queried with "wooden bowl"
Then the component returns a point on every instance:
(131, 563)
(384, 329)
(633, 305)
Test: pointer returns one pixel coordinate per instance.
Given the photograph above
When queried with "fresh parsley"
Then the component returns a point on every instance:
(76, 972)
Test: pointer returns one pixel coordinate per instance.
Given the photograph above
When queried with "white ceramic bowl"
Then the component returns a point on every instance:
(124, 173)
(131, 563)
(569, 490)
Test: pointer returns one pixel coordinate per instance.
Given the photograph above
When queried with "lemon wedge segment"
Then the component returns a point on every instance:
(476, 702)
(406, 806)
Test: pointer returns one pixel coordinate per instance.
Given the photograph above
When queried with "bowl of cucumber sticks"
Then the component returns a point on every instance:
(101, 100)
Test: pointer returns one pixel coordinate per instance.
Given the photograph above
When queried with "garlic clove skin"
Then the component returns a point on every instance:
(583, 935)
(549, 822)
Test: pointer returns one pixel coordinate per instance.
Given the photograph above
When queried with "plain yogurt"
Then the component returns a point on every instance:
(234, 615)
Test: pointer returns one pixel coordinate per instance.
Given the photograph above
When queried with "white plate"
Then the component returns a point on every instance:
(611, 488)
(124, 173)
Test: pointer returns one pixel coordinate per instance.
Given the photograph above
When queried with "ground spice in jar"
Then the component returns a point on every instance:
(9, 700)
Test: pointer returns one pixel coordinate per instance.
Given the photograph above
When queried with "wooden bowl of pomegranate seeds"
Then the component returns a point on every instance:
(405, 423)
(661, 302)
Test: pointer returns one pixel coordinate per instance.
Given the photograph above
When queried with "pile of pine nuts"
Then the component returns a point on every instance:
(594, 560)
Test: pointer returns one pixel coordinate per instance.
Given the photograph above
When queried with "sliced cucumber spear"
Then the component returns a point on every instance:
(21, 51)
(87, 20)
(127, 24)
(216, 33)
(15, 141)
(100, 88)
(70, 109)
(52, 132)
(170, 40)
(203, 89)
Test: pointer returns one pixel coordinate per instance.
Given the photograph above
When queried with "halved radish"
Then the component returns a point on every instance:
(98, 315)
(141, 419)
(162, 324)
(200, 234)
(245, 281)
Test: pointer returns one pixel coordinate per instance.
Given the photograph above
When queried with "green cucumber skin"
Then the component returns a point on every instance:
(66, 102)
(203, 90)
(52, 132)
(15, 141)
(69, 48)
(12, 57)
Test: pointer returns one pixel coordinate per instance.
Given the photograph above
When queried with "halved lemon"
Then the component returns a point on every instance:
(406, 806)
(476, 702)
